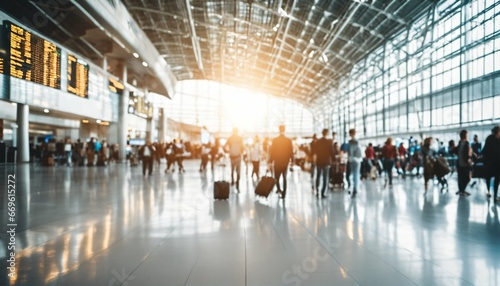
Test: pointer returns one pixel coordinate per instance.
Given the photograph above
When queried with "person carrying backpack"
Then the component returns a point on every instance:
(236, 149)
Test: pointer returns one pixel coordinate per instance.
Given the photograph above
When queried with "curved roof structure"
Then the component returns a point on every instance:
(299, 49)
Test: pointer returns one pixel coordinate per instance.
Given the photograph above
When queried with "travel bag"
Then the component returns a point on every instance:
(479, 170)
(441, 167)
(221, 187)
(265, 186)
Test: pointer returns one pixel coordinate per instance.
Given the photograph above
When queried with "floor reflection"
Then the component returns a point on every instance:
(81, 226)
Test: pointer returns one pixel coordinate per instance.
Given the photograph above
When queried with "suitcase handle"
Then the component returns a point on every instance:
(222, 168)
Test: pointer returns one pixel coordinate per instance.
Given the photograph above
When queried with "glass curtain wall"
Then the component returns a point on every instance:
(443, 72)
(221, 107)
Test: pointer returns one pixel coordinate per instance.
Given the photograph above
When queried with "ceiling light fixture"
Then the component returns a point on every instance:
(98, 121)
(136, 55)
(145, 64)
(282, 12)
(46, 110)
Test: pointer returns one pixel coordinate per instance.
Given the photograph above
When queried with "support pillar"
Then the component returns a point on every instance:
(122, 119)
(162, 136)
(23, 151)
(151, 127)
(13, 126)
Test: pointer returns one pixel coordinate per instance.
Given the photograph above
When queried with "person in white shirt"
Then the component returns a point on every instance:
(147, 153)
(355, 158)
(67, 152)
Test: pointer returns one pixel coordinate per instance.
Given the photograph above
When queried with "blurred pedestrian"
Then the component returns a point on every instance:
(281, 153)
(491, 155)
(147, 154)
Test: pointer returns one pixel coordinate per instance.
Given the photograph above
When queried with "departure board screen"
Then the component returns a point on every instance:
(78, 76)
(33, 58)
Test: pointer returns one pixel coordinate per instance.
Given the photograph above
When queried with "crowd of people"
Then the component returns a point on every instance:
(329, 162)
(468, 159)
(332, 163)
(79, 153)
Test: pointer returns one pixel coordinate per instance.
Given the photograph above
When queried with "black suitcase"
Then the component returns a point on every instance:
(265, 186)
(479, 170)
(221, 190)
(337, 176)
(441, 167)
(338, 179)
(221, 187)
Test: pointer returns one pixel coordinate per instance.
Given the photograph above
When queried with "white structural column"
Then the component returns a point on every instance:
(151, 125)
(122, 119)
(23, 151)
(162, 136)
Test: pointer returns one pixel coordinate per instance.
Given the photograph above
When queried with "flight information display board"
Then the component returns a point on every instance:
(32, 58)
(78, 76)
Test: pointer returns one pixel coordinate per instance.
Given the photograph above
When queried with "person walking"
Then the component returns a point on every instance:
(389, 156)
(214, 153)
(205, 153)
(464, 153)
(236, 149)
(179, 150)
(324, 159)
(402, 160)
(170, 156)
(255, 156)
(147, 154)
(90, 152)
(491, 155)
(312, 147)
(281, 153)
(354, 157)
(68, 152)
(427, 153)
(476, 148)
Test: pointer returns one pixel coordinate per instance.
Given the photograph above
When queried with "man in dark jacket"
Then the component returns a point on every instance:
(280, 154)
(147, 153)
(324, 158)
(313, 155)
(491, 155)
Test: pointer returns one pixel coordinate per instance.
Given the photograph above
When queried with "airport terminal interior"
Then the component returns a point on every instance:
(249, 142)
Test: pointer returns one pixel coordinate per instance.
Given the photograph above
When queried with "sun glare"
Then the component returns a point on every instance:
(222, 107)
(245, 110)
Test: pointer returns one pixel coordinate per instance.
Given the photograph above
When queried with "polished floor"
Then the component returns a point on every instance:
(112, 226)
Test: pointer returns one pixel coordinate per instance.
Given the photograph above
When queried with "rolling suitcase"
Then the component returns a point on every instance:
(265, 186)
(441, 167)
(337, 176)
(479, 170)
(221, 187)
